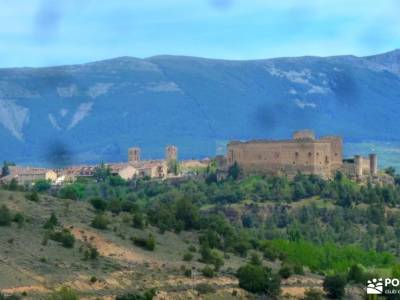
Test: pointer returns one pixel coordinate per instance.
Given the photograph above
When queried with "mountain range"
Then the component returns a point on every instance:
(92, 112)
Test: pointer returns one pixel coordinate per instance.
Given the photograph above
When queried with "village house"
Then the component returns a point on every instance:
(151, 169)
(124, 170)
(29, 175)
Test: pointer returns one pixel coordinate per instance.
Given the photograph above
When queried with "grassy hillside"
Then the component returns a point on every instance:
(105, 237)
(29, 264)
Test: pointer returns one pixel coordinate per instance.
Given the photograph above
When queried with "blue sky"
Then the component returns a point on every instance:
(54, 32)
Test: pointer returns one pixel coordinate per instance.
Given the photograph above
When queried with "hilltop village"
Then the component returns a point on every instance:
(304, 153)
(281, 213)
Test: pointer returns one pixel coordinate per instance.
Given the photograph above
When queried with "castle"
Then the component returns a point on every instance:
(303, 153)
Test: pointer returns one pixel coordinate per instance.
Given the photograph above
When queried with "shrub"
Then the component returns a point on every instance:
(188, 272)
(334, 286)
(42, 185)
(115, 206)
(98, 204)
(116, 181)
(207, 271)
(255, 259)
(5, 216)
(101, 222)
(94, 253)
(270, 252)
(205, 288)
(33, 196)
(258, 279)
(19, 219)
(396, 271)
(65, 237)
(188, 256)
(298, 269)
(356, 274)
(11, 297)
(13, 185)
(148, 243)
(91, 253)
(51, 222)
(192, 248)
(72, 191)
(312, 294)
(285, 272)
(209, 256)
(138, 221)
(64, 293)
(93, 279)
(148, 295)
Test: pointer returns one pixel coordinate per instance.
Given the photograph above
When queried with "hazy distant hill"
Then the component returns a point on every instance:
(95, 111)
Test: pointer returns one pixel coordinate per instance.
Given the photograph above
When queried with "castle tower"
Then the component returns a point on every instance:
(373, 164)
(358, 165)
(336, 158)
(171, 153)
(133, 154)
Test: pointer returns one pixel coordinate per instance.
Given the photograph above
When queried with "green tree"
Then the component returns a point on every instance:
(285, 272)
(148, 243)
(74, 191)
(116, 181)
(173, 166)
(187, 213)
(5, 216)
(65, 237)
(5, 169)
(13, 185)
(102, 172)
(259, 280)
(42, 185)
(207, 271)
(148, 295)
(396, 271)
(390, 171)
(99, 204)
(255, 259)
(100, 221)
(33, 196)
(234, 171)
(334, 286)
(356, 274)
(51, 222)
(138, 220)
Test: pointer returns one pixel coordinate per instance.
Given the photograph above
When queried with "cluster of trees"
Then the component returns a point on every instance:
(324, 258)
(256, 278)
(298, 233)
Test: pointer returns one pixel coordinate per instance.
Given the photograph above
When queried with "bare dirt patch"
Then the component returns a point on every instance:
(107, 248)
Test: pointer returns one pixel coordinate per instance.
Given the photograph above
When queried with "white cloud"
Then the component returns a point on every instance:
(305, 104)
